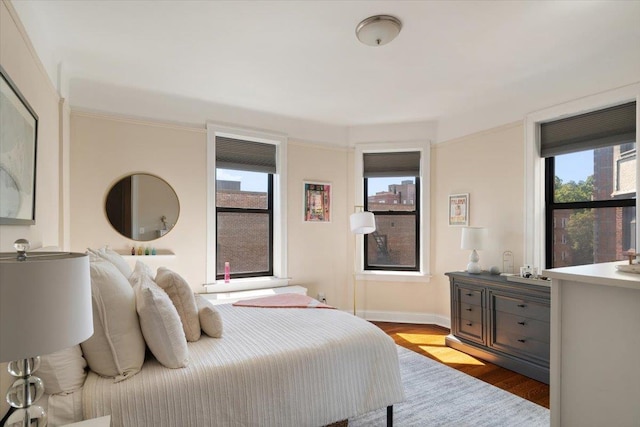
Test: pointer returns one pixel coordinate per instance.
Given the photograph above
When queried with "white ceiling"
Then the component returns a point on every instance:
(301, 59)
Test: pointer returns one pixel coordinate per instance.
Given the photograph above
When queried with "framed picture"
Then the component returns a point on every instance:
(459, 209)
(317, 201)
(18, 139)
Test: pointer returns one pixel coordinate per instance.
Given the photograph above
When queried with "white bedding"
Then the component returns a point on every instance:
(272, 367)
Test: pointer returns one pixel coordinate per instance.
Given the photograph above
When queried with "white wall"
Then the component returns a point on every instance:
(106, 148)
(24, 68)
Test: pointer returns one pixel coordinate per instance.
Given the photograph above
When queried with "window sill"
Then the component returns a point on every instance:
(393, 276)
(246, 284)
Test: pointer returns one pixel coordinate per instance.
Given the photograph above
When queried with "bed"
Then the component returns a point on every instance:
(273, 367)
(161, 356)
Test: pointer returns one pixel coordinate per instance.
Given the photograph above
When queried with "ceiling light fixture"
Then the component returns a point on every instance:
(378, 30)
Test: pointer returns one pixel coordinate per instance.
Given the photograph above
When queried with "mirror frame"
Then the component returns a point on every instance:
(131, 237)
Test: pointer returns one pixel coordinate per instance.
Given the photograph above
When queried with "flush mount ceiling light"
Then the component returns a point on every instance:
(378, 30)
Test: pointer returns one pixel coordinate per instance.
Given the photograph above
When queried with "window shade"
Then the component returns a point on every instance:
(245, 155)
(405, 163)
(602, 128)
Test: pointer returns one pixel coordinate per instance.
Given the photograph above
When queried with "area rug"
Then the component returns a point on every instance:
(437, 395)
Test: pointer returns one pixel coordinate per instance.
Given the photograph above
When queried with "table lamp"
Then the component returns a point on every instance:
(45, 306)
(473, 238)
(361, 223)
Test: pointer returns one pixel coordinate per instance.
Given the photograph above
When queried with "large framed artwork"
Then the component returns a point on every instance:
(18, 140)
(317, 201)
(459, 209)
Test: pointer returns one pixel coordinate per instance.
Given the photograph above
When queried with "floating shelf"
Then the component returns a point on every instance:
(159, 253)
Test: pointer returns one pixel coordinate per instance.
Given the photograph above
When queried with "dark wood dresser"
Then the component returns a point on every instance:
(502, 322)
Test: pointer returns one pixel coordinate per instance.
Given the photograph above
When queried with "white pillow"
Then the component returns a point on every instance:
(63, 371)
(160, 324)
(116, 348)
(114, 258)
(139, 271)
(182, 297)
(210, 319)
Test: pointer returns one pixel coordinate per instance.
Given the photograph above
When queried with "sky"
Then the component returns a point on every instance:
(575, 166)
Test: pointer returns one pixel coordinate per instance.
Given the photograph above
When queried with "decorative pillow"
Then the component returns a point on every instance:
(210, 319)
(160, 324)
(116, 348)
(63, 371)
(139, 271)
(183, 299)
(63, 409)
(114, 258)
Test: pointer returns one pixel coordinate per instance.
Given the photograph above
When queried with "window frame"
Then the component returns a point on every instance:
(415, 213)
(534, 209)
(551, 206)
(422, 275)
(279, 276)
(268, 211)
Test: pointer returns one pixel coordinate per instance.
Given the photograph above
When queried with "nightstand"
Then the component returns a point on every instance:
(94, 422)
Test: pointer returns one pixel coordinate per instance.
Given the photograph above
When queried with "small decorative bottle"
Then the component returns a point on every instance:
(133, 250)
(146, 250)
(140, 250)
(153, 250)
(227, 272)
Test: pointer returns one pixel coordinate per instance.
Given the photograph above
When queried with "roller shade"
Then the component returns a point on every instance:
(244, 155)
(602, 128)
(406, 163)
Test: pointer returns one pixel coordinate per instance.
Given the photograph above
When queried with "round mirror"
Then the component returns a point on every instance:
(142, 207)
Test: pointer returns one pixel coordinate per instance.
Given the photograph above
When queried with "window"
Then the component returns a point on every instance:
(391, 192)
(246, 216)
(590, 176)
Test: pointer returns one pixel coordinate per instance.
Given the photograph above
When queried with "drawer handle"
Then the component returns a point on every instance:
(469, 324)
(469, 294)
(522, 305)
(521, 323)
(522, 341)
(468, 309)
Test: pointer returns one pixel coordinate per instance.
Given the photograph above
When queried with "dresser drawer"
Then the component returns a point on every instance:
(522, 344)
(470, 312)
(469, 296)
(536, 329)
(521, 307)
(470, 330)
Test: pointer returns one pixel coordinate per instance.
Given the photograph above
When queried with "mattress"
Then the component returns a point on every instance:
(272, 367)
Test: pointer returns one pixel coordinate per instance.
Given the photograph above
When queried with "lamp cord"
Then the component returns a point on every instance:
(4, 419)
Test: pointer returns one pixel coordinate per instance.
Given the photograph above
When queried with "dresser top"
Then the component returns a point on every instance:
(604, 274)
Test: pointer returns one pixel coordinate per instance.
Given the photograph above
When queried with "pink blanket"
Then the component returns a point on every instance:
(283, 301)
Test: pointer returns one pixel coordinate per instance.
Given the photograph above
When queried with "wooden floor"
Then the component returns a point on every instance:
(429, 341)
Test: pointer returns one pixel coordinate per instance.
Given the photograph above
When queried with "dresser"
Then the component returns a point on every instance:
(503, 322)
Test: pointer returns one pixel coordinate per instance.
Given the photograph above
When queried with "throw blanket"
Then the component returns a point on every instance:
(283, 301)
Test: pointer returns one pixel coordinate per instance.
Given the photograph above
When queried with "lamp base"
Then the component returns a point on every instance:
(473, 267)
(26, 390)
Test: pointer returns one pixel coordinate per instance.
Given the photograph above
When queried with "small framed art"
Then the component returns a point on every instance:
(459, 209)
(317, 201)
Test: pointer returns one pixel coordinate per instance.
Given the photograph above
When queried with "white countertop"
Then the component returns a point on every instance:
(604, 274)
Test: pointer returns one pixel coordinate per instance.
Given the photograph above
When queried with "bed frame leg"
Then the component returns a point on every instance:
(390, 416)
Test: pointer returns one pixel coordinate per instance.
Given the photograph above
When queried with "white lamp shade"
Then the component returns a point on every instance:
(378, 30)
(473, 237)
(45, 304)
(362, 223)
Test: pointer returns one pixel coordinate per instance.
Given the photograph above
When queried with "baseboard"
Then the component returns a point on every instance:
(406, 317)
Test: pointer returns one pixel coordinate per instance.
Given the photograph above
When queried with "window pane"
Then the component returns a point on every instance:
(243, 241)
(601, 174)
(391, 194)
(393, 244)
(241, 189)
(587, 236)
